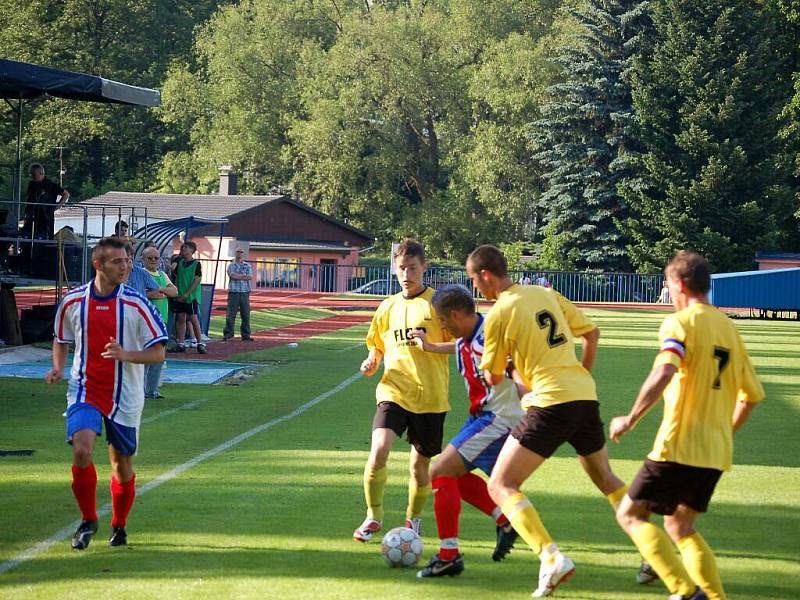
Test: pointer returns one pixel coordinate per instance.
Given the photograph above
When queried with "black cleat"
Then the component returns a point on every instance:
(119, 537)
(506, 536)
(438, 567)
(84, 534)
(646, 574)
(201, 349)
(697, 595)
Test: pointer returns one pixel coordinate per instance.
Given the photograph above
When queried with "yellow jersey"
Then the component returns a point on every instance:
(534, 326)
(714, 371)
(416, 380)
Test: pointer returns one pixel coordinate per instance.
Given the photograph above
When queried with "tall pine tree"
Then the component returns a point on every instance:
(707, 93)
(585, 137)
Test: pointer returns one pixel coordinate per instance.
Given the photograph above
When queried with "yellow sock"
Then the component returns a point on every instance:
(374, 485)
(526, 521)
(615, 497)
(656, 548)
(701, 564)
(417, 496)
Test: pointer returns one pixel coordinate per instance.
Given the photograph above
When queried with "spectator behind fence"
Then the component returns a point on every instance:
(43, 197)
(239, 276)
(153, 371)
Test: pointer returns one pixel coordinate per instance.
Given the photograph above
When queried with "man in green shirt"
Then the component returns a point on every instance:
(152, 372)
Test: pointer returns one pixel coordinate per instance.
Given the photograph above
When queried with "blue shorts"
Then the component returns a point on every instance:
(480, 439)
(87, 416)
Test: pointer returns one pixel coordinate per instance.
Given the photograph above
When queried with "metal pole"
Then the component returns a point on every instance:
(84, 269)
(18, 203)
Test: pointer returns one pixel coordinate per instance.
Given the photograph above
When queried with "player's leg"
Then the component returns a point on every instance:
(84, 424)
(425, 434)
(444, 474)
(389, 423)
(653, 490)
(122, 445)
(697, 556)
(536, 438)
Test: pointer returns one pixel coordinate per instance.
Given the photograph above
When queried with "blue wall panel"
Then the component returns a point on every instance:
(777, 289)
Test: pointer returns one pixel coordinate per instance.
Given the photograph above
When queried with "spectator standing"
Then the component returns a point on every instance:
(41, 194)
(153, 371)
(186, 305)
(240, 274)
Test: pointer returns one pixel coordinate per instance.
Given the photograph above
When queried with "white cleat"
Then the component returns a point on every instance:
(550, 576)
(367, 529)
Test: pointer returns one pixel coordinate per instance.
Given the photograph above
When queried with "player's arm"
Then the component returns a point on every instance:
(519, 381)
(169, 290)
(650, 393)
(591, 339)
(369, 366)
(378, 326)
(495, 356)
(741, 412)
(56, 374)
(153, 354)
(437, 347)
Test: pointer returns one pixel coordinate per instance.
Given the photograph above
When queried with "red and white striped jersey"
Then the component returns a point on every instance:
(90, 321)
(501, 399)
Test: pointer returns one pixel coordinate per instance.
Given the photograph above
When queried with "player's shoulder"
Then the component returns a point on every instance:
(128, 293)
(76, 292)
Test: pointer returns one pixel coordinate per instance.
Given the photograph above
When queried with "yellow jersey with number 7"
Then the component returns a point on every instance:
(535, 327)
(714, 371)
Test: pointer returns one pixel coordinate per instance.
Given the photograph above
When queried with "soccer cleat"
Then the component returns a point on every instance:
(506, 536)
(119, 537)
(84, 534)
(248, 339)
(551, 576)
(698, 594)
(439, 568)
(646, 573)
(414, 523)
(366, 530)
(201, 349)
(180, 348)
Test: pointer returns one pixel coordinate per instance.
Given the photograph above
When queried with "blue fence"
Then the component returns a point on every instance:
(379, 281)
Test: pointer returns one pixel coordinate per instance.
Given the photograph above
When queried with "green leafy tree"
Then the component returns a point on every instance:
(707, 94)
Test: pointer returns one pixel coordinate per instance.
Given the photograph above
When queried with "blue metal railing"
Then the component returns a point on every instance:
(578, 286)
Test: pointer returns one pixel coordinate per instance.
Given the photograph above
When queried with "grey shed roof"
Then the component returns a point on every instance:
(168, 206)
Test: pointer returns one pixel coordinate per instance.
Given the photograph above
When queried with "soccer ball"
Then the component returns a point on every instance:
(401, 547)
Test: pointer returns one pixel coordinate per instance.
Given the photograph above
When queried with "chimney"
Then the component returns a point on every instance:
(227, 181)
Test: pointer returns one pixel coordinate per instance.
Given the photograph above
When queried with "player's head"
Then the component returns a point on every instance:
(110, 260)
(409, 263)
(456, 309)
(121, 229)
(487, 267)
(688, 276)
(188, 249)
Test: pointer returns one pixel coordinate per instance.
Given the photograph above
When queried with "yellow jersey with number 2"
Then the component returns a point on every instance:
(714, 371)
(534, 326)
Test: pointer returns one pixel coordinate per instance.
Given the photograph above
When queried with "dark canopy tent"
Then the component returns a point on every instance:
(21, 82)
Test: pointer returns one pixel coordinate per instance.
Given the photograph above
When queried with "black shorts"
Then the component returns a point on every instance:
(425, 430)
(543, 430)
(185, 308)
(664, 485)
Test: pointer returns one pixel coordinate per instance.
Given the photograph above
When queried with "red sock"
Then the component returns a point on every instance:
(122, 495)
(447, 507)
(473, 490)
(84, 488)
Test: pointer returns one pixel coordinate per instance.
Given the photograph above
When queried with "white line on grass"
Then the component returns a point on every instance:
(67, 531)
(166, 413)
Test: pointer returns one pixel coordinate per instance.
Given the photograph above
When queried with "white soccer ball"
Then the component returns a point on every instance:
(401, 547)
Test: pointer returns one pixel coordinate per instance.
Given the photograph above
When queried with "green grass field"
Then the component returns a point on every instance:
(271, 516)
